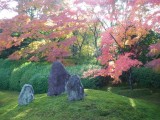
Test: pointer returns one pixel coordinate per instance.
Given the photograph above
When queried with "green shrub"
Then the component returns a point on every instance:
(6, 68)
(4, 78)
(14, 74)
(146, 77)
(39, 83)
(15, 82)
(79, 69)
(95, 83)
(26, 73)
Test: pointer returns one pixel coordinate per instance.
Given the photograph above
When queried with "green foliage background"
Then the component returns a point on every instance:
(146, 77)
(14, 74)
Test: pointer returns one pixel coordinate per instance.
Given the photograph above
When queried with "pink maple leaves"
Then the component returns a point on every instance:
(154, 52)
(124, 63)
(154, 49)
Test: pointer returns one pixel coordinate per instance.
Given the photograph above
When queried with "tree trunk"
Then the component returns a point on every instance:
(130, 82)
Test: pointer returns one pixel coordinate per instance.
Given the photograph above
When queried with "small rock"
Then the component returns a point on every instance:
(26, 95)
(74, 88)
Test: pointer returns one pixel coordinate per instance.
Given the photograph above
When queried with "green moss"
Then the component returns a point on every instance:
(97, 105)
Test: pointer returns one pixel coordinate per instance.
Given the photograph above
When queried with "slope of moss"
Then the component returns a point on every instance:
(97, 105)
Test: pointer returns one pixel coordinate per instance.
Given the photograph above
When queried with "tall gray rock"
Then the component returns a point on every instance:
(74, 88)
(26, 95)
(57, 79)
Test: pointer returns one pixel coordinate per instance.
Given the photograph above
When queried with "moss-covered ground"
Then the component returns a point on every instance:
(97, 105)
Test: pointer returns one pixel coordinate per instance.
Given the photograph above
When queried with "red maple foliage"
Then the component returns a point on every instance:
(50, 26)
(47, 23)
(124, 29)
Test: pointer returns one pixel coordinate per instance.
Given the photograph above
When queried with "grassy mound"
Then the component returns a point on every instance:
(97, 105)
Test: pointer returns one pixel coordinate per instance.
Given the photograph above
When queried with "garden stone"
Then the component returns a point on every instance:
(26, 95)
(74, 88)
(57, 79)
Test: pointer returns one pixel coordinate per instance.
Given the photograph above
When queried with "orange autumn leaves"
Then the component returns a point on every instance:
(48, 38)
(127, 34)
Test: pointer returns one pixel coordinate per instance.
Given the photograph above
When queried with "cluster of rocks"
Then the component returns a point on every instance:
(60, 81)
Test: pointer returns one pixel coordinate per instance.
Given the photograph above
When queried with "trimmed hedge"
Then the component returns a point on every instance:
(33, 73)
(6, 68)
(95, 83)
(14, 74)
(146, 77)
(4, 80)
(39, 83)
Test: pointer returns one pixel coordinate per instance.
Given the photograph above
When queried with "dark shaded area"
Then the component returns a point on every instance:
(1, 30)
(97, 82)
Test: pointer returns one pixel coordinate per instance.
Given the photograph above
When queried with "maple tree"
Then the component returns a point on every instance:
(126, 24)
(46, 28)
(87, 40)
(42, 28)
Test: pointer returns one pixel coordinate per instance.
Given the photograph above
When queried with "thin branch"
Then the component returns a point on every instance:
(116, 42)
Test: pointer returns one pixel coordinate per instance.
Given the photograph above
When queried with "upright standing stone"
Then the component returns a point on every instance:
(57, 79)
(74, 88)
(26, 95)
